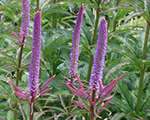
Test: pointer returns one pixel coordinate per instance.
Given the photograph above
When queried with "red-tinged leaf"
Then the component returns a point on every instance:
(21, 95)
(73, 90)
(120, 77)
(46, 83)
(79, 104)
(83, 93)
(26, 94)
(15, 35)
(105, 104)
(80, 83)
(108, 88)
(45, 91)
(101, 87)
(21, 33)
(15, 86)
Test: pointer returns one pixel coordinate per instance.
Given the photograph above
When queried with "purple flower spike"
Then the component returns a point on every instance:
(75, 43)
(25, 17)
(35, 57)
(97, 69)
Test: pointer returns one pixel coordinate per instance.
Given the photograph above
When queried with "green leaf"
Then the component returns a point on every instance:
(62, 103)
(5, 88)
(64, 32)
(118, 116)
(11, 6)
(121, 14)
(23, 112)
(51, 11)
(3, 115)
(86, 34)
(126, 94)
(10, 115)
(55, 45)
(8, 60)
(56, 108)
(77, 1)
(8, 12)
(113, 69)
(147, 5)
(89, 17)
(125, 7)
(133, 15)
(37, 115)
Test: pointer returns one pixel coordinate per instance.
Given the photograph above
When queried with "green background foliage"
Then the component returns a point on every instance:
(127, 21)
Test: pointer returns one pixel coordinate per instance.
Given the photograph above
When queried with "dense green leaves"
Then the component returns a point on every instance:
(126, 33)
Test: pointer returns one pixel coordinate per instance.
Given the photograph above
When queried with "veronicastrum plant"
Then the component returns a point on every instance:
(75, 51)
(97, 92)
(24, 32)
(34, 91)
(119, 32)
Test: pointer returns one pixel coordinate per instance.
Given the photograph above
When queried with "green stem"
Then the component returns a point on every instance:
(95, 28)
(37, 5)
(90, 67)
(143, 68)
(93, 42)
(15, 114)
(114, 25)
(18, 74)
(70, 97)
(115, 21)
(54, 22)
(19, 62)
(140, 90)
(146, 40)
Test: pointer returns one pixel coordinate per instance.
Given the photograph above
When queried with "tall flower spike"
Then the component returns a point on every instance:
(75, 43)
(25, 17)
(35, 57)
(97, 69)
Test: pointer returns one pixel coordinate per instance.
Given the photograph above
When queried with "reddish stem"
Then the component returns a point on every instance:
(31, 110)
(92, 105)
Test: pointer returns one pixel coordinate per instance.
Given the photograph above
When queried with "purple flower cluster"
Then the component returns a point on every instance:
(34, 91)
(35, 57)
(75, 43)
(24, 30)
(96, 77)
(97, 69)
(25, 18)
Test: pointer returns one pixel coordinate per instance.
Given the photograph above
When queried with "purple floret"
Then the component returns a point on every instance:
(97, 69)
(25, 17)
(75, 43)
(35, 57)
